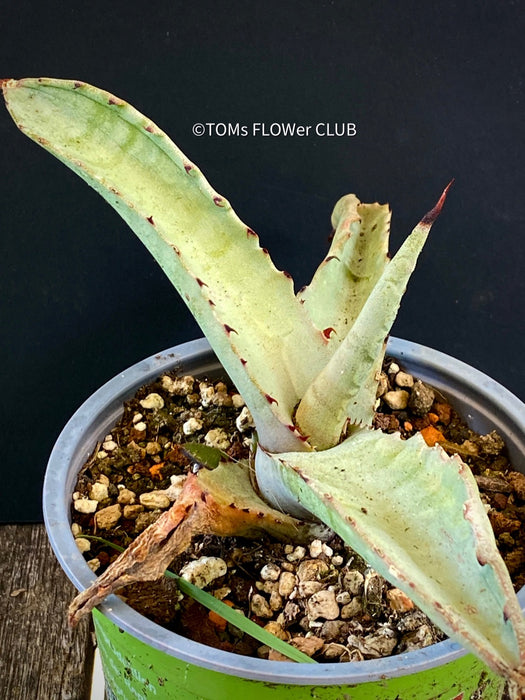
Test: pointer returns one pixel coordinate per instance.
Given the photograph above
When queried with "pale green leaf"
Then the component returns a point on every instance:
(345, 389)
(212, 258)
(355, 261)
(415, 516)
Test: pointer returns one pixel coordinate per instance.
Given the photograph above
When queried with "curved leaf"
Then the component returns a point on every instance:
(415, 515)
(345, 389)
(212, 258)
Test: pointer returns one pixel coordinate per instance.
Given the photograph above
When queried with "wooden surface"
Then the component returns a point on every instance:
(40, 657)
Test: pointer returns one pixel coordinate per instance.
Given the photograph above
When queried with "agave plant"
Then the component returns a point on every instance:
(306, 365)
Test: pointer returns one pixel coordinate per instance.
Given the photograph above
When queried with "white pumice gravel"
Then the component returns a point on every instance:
(201, 572)
(244, 420)
(152, 401)
(85, 505)
(192, 426)
(99, 491)
(217, 437)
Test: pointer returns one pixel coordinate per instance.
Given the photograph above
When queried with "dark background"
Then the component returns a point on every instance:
(436, 91)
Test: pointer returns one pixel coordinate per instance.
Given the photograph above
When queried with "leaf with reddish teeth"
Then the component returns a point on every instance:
(415, 515)
(355, 261)
(345, 389)
(218, 502)
(194, 235)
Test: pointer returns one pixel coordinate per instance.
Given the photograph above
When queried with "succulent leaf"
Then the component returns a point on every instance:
(212, 258)
(415, 515)
(356, 258)
(345, 389)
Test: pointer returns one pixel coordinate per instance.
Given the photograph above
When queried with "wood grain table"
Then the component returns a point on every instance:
(41, 658)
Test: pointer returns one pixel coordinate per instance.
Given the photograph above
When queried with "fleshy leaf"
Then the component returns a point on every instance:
(345, 389)
(415, 516)
(212, 258)
(356, 258)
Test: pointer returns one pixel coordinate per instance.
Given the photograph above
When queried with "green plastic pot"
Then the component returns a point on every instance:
(143, 660)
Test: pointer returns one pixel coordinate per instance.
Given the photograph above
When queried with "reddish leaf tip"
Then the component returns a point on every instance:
(433, 214)
(270, 399)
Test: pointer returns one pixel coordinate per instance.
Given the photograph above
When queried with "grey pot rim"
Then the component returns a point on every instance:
(59, 483)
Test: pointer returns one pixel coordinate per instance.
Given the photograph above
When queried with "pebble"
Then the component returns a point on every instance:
(132, 512)
(334, 651)
(315, 548)
(83, 544)
(397, 400)
(217, 438)
(153, 448)
(85, 505)
(394, 368)
(351, 609)
(221, 396)
(201, 572)
(238, 401)
(287, 582)
(308, 588)
(312, 570)
(308, 645)
(108, 517)
(382, 642)
(278, 630)
(207, 393)
(421, 398)
(126, 497)
(327, 551)
(94, 564)
(332, 629)
(323, 605)
(404, 380)
(343, 598)
(276, 601)
(180, 386)
(137, 418)
(244, 420)
(259, 606)
(270, 572)
(109, 445)
(353, 581)
(296, 554)
(98, 491)
(192, 425)
(155, 499)
(76, 529)
(152, 401)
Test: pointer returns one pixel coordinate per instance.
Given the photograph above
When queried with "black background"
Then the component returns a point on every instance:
(436, 91)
